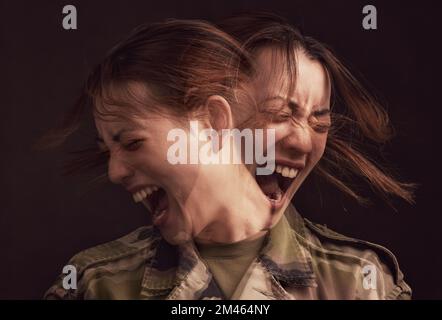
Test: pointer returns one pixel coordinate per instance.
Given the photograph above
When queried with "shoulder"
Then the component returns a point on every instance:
(355, 267)
(131, 244)
(117, 262)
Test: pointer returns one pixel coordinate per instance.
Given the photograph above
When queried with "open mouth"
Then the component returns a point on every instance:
(275, 185)
(154, 198)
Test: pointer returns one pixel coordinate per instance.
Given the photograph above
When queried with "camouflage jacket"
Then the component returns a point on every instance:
(299, 260)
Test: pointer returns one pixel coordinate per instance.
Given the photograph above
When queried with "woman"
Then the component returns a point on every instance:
(321, 115)
(221, 254)
(162, 79)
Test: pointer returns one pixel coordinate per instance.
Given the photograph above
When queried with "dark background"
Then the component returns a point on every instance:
(46, 218)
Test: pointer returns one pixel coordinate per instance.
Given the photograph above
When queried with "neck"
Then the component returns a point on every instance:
(237, 210)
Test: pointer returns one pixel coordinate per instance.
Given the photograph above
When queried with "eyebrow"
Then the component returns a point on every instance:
(116, 137)
(291, 101)
(295, 106)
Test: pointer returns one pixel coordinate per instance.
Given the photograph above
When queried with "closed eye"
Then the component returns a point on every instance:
(322, 128)
(321, 121)
(321, 113)
(133, 145)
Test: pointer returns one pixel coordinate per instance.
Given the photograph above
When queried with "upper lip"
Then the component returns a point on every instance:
(299, 165)
(136, 188)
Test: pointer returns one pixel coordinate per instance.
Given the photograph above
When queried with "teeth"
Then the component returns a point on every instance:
(293, 173)
(286, 171)
(137, 197)
(144, 193)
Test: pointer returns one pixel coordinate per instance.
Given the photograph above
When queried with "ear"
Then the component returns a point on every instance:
(219, 112)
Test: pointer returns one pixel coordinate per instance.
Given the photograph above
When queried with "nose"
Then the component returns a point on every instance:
(118, 170)
(298, 140)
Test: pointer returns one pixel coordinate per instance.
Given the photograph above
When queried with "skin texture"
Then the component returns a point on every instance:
(301, 119)
(207, 202)
(212, 203)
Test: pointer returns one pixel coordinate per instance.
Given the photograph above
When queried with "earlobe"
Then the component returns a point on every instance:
(220, 113)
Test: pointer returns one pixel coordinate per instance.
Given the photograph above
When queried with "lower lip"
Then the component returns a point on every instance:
(160, 220)
(276, 205)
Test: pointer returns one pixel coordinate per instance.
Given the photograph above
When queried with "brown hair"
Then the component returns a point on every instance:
(356, 115)
(180, 62)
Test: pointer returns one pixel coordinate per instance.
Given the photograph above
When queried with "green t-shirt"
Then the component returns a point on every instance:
(229, 262)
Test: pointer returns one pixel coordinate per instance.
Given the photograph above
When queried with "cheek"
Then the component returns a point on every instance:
(151, 161)
(319, 143)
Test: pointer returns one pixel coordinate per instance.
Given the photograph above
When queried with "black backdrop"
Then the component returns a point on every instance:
(46, 218)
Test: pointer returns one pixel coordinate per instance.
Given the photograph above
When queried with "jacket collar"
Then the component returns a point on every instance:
(178, 272)
(284, 255)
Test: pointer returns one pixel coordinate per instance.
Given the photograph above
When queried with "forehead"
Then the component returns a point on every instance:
(119, 99)
(108, 128)
(312, 84)
(124, 106)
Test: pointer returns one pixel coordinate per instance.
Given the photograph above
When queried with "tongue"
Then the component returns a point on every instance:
(269, 185)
